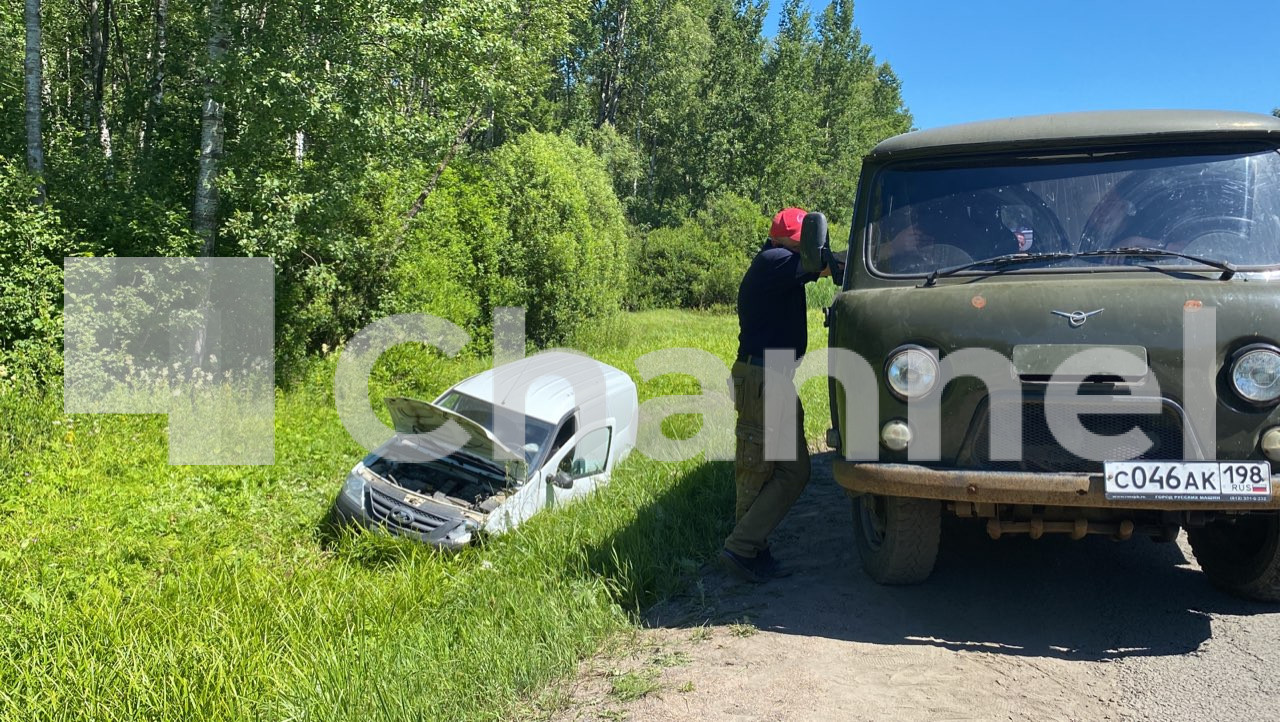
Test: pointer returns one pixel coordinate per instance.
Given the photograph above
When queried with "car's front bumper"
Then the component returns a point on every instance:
(1066, 489)
(449, 534)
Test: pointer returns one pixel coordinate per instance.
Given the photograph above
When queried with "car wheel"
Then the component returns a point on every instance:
(897, 537)
(1241, 555)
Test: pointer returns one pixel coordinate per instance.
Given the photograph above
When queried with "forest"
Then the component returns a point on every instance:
(441, 157)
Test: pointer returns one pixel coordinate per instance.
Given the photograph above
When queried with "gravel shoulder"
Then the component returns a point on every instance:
(1010, 629)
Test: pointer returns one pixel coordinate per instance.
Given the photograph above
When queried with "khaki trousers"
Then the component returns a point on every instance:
(765, 489)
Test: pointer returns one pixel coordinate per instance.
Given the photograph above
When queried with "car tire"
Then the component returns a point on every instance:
(1241, 555)
(897, 537)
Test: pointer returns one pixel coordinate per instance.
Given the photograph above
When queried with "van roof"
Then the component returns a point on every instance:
(1077, 129)
(548, 380)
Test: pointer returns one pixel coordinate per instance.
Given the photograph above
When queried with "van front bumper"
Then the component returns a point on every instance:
(1064, 489)
(446, 530)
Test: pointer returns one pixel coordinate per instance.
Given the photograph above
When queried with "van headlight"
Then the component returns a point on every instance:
(1255, 374)
(353, 487)
(912, 372)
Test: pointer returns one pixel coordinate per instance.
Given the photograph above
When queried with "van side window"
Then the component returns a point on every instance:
(566, 432)
(590, 456)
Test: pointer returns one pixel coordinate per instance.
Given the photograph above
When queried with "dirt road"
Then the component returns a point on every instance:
(1009, 629)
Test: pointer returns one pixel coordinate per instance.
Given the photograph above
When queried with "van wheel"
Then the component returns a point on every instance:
(897, 537)
(1241, 555)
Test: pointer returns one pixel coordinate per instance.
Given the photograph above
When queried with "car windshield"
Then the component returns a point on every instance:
(536, 431)
(1222, 206)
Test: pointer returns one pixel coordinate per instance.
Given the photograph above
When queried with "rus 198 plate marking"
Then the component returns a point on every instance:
(1240, 481)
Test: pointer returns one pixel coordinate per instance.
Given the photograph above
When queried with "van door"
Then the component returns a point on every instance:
(583, 467)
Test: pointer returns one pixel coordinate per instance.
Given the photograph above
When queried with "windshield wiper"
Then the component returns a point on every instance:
(1228, 268)
(996, 263)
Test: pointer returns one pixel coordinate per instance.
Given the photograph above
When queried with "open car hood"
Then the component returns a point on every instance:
(411, 416)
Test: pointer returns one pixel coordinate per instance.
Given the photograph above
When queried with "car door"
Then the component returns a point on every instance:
(580, 467)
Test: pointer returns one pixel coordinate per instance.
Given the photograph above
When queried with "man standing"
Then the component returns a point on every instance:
(771, 315)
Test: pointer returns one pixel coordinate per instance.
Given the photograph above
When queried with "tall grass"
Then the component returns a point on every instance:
(138, 590)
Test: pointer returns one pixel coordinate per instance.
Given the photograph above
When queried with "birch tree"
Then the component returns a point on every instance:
(205, 212)
(98, 37)
(155, 94)
(31, 71)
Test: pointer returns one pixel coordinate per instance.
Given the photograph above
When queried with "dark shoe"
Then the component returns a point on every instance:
(748, 570)
(771, 567)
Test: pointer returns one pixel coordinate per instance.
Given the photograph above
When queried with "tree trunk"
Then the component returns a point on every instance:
(156, 96)
(99, 30)
(99, 78)
(611, 83)
(31, 71)
(454, 147)
(205, 212)
(66, 43)
(88, 122)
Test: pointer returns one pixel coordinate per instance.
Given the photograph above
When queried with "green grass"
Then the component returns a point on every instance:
(138, 590)
(631, 686)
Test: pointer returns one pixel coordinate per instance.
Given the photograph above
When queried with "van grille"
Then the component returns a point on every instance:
(1042, 452)
(387, 509)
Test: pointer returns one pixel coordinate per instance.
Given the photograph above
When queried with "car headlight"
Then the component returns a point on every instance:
(912, 372)
(353, 488)
(1255, 374)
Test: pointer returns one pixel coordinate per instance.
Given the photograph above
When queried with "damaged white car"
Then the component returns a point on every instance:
(459, 465)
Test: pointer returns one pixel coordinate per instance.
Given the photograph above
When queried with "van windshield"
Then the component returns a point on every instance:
(1223, 206)
(536, 431)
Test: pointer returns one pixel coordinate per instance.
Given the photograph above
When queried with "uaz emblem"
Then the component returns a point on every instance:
(1076, 318)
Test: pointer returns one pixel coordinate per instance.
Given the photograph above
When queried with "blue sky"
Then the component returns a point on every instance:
(978, 59)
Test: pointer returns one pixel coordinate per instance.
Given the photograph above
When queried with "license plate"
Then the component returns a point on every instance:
(1188, 480)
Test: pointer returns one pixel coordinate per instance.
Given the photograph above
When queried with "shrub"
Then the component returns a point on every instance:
(731, 221)
(565, 257)
(32, 245)
(534, 224)
(684, 269)
(621, 158)
(699, 263)
(449, 257)
(332, 260)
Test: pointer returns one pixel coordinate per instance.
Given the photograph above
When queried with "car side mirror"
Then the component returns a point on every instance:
(813, 240)
(562, 480)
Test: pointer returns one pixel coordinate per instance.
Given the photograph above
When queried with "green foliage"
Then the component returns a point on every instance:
(343, 124)
(32, 245)
(534, 224)
(336, 118)
(621, 158)
(679, 269)
(712, 105)
(733, 222)
(565, 261)
(699, 263)
(449, 263)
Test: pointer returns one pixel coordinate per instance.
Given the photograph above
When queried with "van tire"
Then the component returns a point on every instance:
(1241, 555)
(897, 537)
